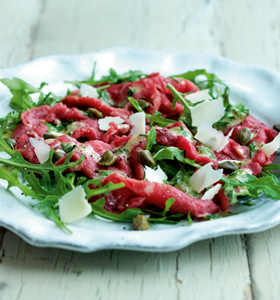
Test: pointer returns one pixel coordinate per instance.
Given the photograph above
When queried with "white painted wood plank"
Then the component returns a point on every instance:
(219, 265)
(84, 26)
(18, 30)
(263, 249)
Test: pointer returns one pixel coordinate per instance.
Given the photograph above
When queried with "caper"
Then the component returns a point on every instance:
(94, 113)
(244, 136)
(11, 142)
(140, 223)
(57, 154)
(145, 158)
(108, 159)
(51, 135)
(130, 91)
(228, 166)
(276, 127)
(143, 103)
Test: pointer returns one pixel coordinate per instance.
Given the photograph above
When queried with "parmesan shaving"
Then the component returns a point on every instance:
(41, 149)
(138, 121)
(207, 111)
(87, 90)
(205, 177)
(210, 194)
(104, 122)
(74, 206)
(273, 146)
(212, 137)
(198, 96)
(155, 175)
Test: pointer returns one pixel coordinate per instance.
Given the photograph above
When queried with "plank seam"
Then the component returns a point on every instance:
(246, 237)
(35, 29)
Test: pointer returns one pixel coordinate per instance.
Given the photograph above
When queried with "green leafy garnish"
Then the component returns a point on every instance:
(253, 149)
(21, 91)
(171, 152)
(135, 104)
(112, 78)
(10, 121)
(151, 139)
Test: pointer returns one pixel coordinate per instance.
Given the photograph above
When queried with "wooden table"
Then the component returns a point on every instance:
(230, 267)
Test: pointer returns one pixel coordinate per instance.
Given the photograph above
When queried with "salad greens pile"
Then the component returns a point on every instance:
(48, 182)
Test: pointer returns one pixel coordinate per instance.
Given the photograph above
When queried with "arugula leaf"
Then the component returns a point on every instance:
(49, 99)
(112, 78)
(10, 121)
(101, 190)
(151, 138)
(13, 180)
(5, 147)
(160, 121)
(17, 84)
(271, 167)
(190, 218)
(129, 214)
(232, 114)
(267, 183)
(253, 149)
(164, 216)
(211, 81)
(24, 167)
(178, 97)
(156, 118)
(21, 90)
(125, 216)
(135, 104)
(171, 152)
(192, 75)
(67, 147)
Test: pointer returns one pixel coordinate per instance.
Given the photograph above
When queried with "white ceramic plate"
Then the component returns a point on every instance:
(258, 88)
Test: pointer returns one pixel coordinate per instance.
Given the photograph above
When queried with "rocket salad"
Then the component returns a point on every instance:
(138, 148)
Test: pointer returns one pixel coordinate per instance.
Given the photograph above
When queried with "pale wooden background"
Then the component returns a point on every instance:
(231, 267)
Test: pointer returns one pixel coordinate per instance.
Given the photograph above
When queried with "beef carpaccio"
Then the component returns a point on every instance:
(134, 147)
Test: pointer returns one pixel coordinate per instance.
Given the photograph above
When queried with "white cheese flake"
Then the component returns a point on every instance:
(155, 175)
(211, 137)
(207, 111)
(104, 122)
(271, 147)
(74, 206)
(198, 96)
(87, 90)
(210, 194)
(41, 149)
(205, 177)
(138, 122)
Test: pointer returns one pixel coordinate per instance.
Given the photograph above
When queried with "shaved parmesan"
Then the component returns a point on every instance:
(138, 122)
(210, 194)
(205, 177)
(104, 123)
(41, 149)
(273, 146)
(212, 137)
(87, 90)
(74, 206)
(198, 96)
(155, 175)
(208, 111)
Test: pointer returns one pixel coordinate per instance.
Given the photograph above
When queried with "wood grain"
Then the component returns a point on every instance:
(231, 267)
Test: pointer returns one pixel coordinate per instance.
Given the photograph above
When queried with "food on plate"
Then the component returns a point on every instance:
(139, 148)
